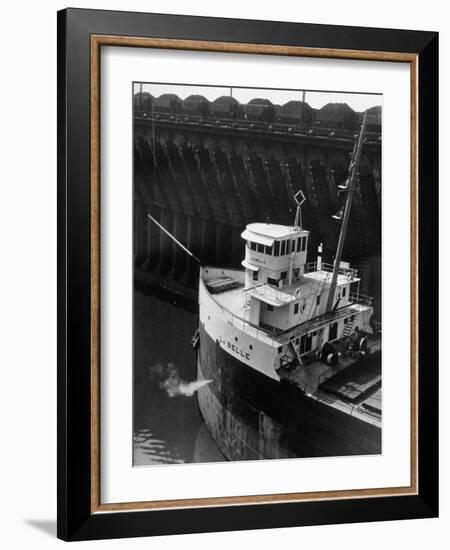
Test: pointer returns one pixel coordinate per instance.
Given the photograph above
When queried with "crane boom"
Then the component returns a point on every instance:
(350, 188)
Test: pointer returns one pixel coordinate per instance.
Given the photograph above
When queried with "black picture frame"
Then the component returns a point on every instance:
(76, 519)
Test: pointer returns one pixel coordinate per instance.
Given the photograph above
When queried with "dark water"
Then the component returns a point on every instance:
(167, 429)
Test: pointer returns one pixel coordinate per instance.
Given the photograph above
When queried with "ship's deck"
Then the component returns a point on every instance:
(233, 300)
(353, 386)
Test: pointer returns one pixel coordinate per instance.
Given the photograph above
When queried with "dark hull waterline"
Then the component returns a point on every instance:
(252, 416)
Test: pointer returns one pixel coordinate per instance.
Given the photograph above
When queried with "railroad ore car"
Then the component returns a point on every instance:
(296, 112)
(142, 102)
(337, 115)
(260, 110)
(168, 103)
(226, 107)
(196, 105)
(373, 122)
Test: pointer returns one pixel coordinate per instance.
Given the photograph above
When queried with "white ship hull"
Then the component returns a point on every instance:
(250, 410)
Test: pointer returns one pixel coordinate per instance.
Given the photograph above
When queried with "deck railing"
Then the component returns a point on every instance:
(360, 299)
(348, 272)
(278, 336)
(271, 292)
(316, 322)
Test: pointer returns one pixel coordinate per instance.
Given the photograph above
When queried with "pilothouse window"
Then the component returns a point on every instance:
(277, 248)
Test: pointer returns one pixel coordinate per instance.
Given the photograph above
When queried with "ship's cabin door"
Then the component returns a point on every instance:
(332, 335)
(305, 343)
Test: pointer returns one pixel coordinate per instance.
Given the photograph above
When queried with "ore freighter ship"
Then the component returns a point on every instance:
(290, 348)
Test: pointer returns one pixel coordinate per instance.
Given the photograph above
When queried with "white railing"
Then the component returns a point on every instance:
(360, 299)
(316, 322)
(271, 292)
(349, 272)
(239, 322)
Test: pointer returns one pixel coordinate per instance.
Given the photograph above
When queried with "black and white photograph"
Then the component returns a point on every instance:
(257, 250)
(224, 291)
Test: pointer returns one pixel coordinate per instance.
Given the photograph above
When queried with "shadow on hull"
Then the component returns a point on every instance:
(254, 417)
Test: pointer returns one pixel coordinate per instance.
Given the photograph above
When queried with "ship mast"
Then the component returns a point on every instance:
(299, 199)
(349, 187)
(298, 212)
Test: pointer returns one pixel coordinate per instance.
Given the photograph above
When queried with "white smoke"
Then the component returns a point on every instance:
(183, 388)
(168, 379)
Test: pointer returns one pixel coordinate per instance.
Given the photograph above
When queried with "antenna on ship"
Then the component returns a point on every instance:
(299, 199)
(298, 213)
(344, 213)
(174, 239)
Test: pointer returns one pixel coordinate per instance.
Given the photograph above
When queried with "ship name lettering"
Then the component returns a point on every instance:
(234, 348)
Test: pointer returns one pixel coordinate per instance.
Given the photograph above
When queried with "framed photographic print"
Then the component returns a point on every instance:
(247, 274)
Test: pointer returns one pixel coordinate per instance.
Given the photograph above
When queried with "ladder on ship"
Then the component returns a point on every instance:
(348, 327)
(292, 355)
(318, 291)
(297, 354)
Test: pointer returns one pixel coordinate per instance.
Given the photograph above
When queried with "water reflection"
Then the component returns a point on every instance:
(168, 428)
